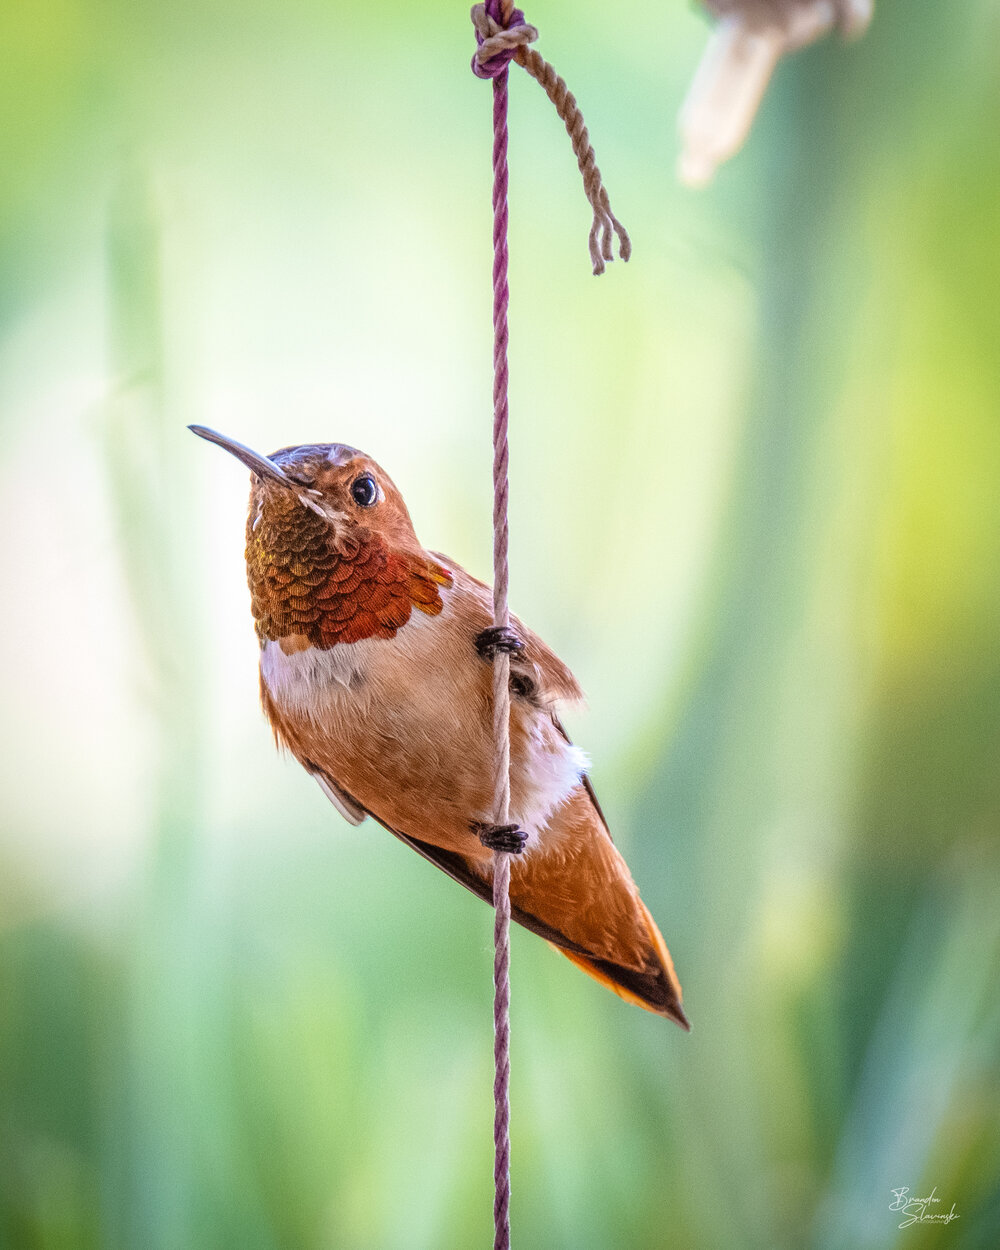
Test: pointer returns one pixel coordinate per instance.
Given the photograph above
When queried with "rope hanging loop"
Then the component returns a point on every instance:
(501, 39)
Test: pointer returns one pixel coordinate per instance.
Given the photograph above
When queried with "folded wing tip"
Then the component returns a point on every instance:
(351, 811)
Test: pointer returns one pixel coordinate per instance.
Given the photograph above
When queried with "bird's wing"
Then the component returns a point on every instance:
(351, 810)
(457, 866)
(575, 891)
(551, 680)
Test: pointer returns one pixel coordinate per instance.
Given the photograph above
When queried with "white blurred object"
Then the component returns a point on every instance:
(749, 39)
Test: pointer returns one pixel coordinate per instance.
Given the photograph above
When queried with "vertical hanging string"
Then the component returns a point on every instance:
(502, 12)
(503, 35)
(501, 674)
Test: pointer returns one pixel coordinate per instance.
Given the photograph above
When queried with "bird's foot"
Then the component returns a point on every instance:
(507, 838)
(495, 639)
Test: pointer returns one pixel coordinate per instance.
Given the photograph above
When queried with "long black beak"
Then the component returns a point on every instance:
(255, 463)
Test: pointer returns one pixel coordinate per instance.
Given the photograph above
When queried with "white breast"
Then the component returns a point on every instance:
(305, 679)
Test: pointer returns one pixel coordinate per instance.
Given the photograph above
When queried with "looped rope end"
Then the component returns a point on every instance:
(606, 226)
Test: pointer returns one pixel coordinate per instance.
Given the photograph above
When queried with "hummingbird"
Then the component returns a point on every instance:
(375, 673)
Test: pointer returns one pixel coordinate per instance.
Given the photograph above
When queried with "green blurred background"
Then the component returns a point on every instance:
(755, 505)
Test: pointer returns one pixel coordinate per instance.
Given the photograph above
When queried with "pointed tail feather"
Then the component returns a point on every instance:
(631, 958)
(578, 882)
(654, 988)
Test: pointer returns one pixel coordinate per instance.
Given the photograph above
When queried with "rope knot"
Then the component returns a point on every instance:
(497, 44)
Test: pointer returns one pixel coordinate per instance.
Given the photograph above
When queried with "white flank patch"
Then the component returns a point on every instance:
(546, 779)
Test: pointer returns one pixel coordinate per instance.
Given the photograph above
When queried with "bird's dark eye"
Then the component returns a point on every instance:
(364, 491)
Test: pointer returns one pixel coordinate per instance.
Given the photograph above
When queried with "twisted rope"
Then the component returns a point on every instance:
(503, 37)
(501, 670)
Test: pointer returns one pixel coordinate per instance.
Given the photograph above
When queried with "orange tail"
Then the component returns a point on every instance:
(654, 988)
(577, 886)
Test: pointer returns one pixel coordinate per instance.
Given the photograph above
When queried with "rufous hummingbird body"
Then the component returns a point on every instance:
(371, 676)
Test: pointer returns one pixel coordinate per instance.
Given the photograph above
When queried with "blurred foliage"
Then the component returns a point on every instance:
(764, 460)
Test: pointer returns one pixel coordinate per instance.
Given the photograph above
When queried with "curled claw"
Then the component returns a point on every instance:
(495, 639)
(507, 838)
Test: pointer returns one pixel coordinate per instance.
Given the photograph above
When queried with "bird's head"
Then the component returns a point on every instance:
(332, 555)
